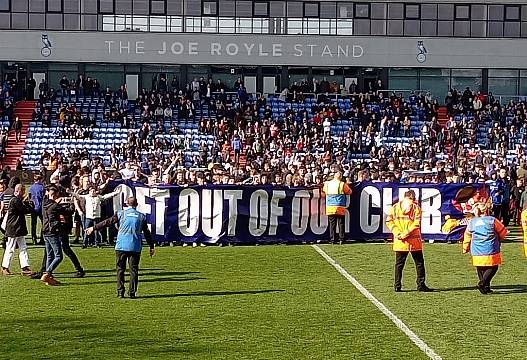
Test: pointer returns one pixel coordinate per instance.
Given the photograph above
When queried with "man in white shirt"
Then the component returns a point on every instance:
(92, 213)
(127, 173)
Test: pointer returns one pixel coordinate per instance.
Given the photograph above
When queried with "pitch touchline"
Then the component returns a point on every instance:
(398, 322)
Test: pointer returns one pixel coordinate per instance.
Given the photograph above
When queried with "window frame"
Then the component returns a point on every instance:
(99, 11)
(356, 14)
(304, 3)
(254, 9)
(203, 8)
(418, 17)
(458, 6)
(55, 11)
(155, 13)
(505, 18)
(9, 8)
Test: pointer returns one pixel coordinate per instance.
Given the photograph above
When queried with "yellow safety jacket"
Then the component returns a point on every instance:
(336, 191)
(404, 221)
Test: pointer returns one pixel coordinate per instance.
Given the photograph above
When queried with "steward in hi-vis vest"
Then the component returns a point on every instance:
(404, 221)
(336, 192)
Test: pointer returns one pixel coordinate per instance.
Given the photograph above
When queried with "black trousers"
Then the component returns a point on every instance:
(334, 222)
(133, 259)
(485, 275)
(400, 261)
(34, 218)
(497, 210)
(68, 251)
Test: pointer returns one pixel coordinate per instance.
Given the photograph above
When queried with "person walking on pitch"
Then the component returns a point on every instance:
(404, 221)
(128, 246)
(482, 239)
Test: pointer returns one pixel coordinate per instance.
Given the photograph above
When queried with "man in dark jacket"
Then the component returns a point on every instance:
(16, 231)
(56, 203)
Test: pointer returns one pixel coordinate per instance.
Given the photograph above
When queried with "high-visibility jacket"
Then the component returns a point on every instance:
(336, 191)
(483, 238)
(404, 221)
(524, 228)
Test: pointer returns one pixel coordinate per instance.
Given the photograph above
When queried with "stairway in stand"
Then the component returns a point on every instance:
(24, 110)
(442, 118)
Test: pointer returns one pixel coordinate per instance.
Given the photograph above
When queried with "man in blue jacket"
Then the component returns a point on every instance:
(36, 194)
(497, 188)
(129, 243)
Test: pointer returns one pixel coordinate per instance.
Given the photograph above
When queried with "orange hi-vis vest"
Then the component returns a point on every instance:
(404, 221)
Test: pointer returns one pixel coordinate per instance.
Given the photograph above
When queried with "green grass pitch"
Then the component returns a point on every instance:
(266, 302)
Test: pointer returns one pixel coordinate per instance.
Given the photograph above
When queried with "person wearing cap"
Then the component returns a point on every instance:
(482, 239)
(404, 221)
(335, 192)
(128, 247)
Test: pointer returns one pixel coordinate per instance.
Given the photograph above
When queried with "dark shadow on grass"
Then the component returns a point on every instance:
(499, 289)
(141, 273)
(161, 279)
(210, 293)
(113, 270)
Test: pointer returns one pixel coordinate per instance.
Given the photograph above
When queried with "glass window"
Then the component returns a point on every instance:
(428, 28)
(361, 27)
(294, 26)
(378, 11)
(495, 29)
(395, 27)
(310, 9)
(261, 9)
(445, 11)
(54, 22)
(462, 28)
(294, 9)
(55, 6)
(503, 73)
(158, 23)
(462, 12)
(428, 11)
(90, 7)
(72, 22)
(437, 85)
(158, 7)
(512, 13)
(362, 10)
(524, 29)
(378, 27)
(503, 86)
(445, 28)
(193, 8)
(228, 8)
(209, 24)
(344, 27)
(176, 24)
(524, 13)
(244, 8)
(411, 27)
(478, 12)
(328, 10)
(105, 6)
(5, 5)
(412, 11)
(478, 28)
(395, 11)
(19, 21)
(37, 21)
(277, 8)
(511, 29)
(5, 21)
(71, 6)
(89, 22)
(37, 5)
(210, 8)
(226, 25)
(496, 12)
(175, 7)
(16, 5)
(141, 7)
(345, 10)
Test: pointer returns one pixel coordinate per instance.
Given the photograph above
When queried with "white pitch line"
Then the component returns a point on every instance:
(398, 322)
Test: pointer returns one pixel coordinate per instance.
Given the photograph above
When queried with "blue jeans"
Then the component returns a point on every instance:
(95, 237)
(54, 251)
